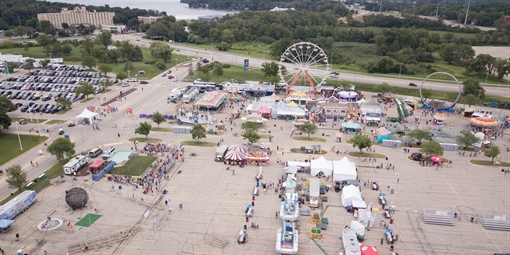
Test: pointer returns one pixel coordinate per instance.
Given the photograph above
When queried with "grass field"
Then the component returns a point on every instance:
(234, 73)
(143, 140)
(10, 145)
(55, 122)
(366, 154)
(250, 49)
(28, 120)
(135, 166)
(199, 143)
(88, 220)
(488, 163)
(311, 139)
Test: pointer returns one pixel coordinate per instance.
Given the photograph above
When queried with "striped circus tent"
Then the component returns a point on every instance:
(235, 155)
(238, 147)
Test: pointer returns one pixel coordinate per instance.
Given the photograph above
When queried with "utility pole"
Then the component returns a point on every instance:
(400, 72)
(467, 11)
(437, 10)
(380, 7)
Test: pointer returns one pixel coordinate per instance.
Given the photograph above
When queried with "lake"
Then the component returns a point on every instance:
(172, 7)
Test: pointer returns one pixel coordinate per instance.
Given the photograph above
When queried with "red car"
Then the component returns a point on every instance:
(416, 156)
(170, 77)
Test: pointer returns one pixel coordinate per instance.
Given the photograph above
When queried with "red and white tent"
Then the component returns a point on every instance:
(238, 147)
(368, 250)
(235, 155)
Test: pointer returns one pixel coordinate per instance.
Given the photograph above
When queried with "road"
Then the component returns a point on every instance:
(393, 80)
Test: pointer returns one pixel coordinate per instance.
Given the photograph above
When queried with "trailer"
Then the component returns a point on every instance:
(17, 205)
(315, 193)
(175, 95)
(204, 86)
(220, 152)
(190, 95)
(75, 164)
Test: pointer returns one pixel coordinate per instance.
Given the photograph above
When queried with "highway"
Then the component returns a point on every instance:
(393, 80)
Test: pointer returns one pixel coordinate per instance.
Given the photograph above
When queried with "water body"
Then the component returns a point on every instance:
(172, 7)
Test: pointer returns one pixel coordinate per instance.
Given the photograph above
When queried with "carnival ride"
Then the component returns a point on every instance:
(435, 104)
(287, 238)
(289, 210)
(299, 65)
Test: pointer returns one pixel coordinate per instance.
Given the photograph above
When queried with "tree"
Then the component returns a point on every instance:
(29, 64)
(361, 141)
(86, 89)
(432, 149)
(158, 118)
(467, 139)
(270, 69)
(426, 93)
(64, 102)
(61, 148)
(473, 87)
(492, 152)
(420, 135)
(9, 33)
(105, 69)
(121, 76)
(309, 128)
(471, 99)
(251, 135)
(218, 70)
(88, 61)
(44, 63)
(198, 132)
(66, 49)
(12, 65)
(160, 64)
(43, 40)
(250, 125)
(105, 38)
(106, 83)
(65, 26)
(161, 50)
(5, 105)
(144, 129)
(16, 177)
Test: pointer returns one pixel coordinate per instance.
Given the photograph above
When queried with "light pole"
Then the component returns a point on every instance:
(19, 138)
(129, 74)
(400, 72)
(486, 77)
(467, 11)
(188, 50)
(50, 56)
(380, 7)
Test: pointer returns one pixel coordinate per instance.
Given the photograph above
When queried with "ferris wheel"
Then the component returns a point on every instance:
(303, 64)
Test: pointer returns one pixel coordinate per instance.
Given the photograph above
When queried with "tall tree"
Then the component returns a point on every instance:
(218, 70)
(420, 135)
(161, 50)
(88, 61)
(361, 141)
(198, 132)
(61, 148)
(473, 87)
(158, 118)
(105, 38)
(432, 149)
(16, 177)
(309, 128)
(270, 69)
(5, 105)
(121, 76)
(492, 152)
(144, 129)
(86, 89)
(64, 102)
(29, 64)
(105, 69)
(467, 139)
(251, 135)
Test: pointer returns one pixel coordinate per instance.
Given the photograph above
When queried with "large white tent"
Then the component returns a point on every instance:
(321, 165)
(344, 169)
(86, 114)
(349, 194)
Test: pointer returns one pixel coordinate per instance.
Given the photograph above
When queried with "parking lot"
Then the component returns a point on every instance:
(38, 91)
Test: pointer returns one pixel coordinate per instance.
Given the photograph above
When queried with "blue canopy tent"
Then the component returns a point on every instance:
(5, 224)
(350, 126)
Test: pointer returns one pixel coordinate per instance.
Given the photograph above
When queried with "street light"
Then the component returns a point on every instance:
(19, 138)
(400, 72)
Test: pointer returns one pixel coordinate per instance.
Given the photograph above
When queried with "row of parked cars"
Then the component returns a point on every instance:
(43, 108)
(62, 80)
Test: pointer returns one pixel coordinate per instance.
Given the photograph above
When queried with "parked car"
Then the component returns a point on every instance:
(144, 82)
(413, 84)
(416, 156)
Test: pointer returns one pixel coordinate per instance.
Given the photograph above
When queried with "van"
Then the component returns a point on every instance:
(108, 152)
(95, 152)
(131, 80)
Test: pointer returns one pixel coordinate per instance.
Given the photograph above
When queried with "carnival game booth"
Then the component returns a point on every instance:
(211, 101)
(468, 112)
(350, 96)
(439, 119)
(257, 157)
(290, 112)
(351, 127)
(344, 169)
(382, 134)
(265, 112)
(253, 118)
(321, 166)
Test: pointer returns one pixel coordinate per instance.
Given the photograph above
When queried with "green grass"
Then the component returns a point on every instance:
(234, 72)
(87, 99)
(143, 139)
(488, 163)
(10, 145)
(265, 136)
(198, 143)
(88, 220)
(311, 139)
(366, 154)
(156, 129)
(55, 122)
(135, 166)
(248, 49)
(28, 120)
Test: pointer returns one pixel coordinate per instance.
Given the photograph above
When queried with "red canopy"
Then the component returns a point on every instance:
(436, 159)
(368, 250)
(235, 155)
(97, 164)
(238, 147)
(264, 110)
(91, 108)
(129, 110)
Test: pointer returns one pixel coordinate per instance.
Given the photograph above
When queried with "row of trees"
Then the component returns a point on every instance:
(265, 5)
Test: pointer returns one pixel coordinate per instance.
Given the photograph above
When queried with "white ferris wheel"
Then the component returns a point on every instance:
(303, 64)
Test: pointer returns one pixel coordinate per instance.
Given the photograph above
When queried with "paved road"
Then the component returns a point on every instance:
(354, 77)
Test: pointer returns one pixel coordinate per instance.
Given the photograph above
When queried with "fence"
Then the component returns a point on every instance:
(109, 168)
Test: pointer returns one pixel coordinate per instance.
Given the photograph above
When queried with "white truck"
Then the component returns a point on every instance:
(75, 164)
(315, 193)
(220, 152)
(189, 95)
(17, 205)
(175, 95)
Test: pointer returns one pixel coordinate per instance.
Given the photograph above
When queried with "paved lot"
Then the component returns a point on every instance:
(214, 200)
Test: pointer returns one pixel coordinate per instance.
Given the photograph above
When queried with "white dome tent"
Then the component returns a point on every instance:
(86, 114)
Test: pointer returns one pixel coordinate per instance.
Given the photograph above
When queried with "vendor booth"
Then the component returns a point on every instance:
(439, 119)
(321, 166)
(349, 194)
(265, 112)
(211, 101)
(348, 95)
(234, 157)
(86, 116)
(351, 127)
(382, 134)
(344, 169)
(468, 112)
(98, 166)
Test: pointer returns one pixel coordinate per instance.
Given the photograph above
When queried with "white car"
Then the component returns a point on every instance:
(125, 85)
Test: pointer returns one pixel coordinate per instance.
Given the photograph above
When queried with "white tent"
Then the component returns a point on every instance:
(350, 193)
(86, 114)
(321, 165)
(344, 169)
(480, 136)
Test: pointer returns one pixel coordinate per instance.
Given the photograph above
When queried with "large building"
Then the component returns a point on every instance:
(79, 15)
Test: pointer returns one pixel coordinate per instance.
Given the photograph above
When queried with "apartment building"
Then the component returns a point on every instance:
(76, 16)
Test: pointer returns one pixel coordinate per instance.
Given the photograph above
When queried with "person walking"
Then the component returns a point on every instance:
(180, 206)
(118, 134)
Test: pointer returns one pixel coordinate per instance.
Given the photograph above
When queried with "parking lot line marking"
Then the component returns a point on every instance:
(110, 144)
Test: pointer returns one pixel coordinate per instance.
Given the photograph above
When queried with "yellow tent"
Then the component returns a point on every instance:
(298, 94)
(292, 104)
